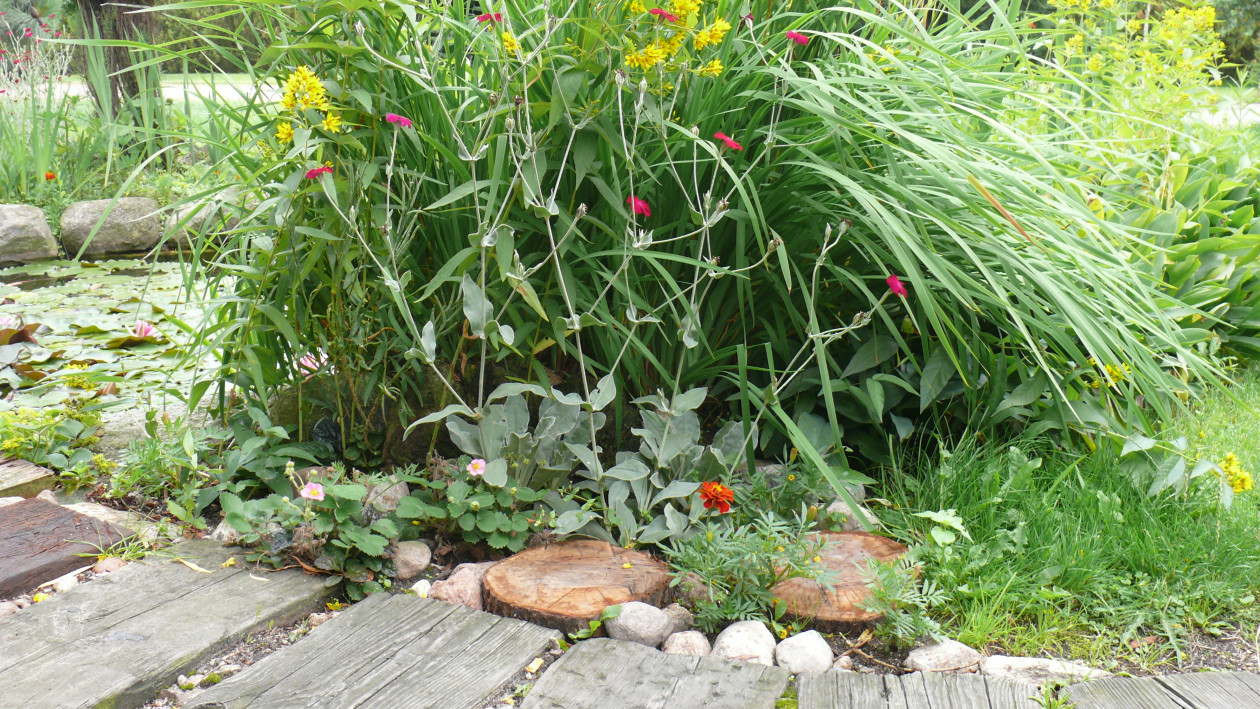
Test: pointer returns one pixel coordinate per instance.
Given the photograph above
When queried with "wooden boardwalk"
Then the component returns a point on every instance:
(389, 651)
(852, 690)
(117, 641)
(1201, 690)
(608, 674)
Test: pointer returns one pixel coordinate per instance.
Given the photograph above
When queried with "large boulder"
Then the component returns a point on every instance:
(463, 586)
(804, 653)
(130, 226)
(640, 623)
(24, 235)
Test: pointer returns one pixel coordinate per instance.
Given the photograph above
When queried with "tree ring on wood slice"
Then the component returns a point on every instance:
(839, 608)
(567, 585)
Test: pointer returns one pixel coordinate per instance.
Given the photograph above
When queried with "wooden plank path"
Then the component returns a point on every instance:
(608, 674)
(115, 642)
(40, 541)
(389, 651)
(19, 478)
(852, 690)
(1201, 690)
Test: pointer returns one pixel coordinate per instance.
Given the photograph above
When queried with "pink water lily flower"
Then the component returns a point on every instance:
(477, 468)
(143, 328)
(661, 13)
(312, 491)
(727, 140)
(400, 121)
(639, 206)
(797, 37)
(8, 322)
(313, 362)
(896, 286)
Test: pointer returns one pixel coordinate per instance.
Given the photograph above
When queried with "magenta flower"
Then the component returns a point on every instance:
(398, 120)
(797, 37)
(312, 491)
(638, 206)
(727, 140)
(490, 17)
(477, 468)
(896, 286)
(661, 13)
(143, 328)
(313, 174)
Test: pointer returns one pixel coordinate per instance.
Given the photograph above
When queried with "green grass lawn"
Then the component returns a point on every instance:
(1069, 556)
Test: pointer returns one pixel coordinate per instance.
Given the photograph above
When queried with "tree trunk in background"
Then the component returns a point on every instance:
(111, 21)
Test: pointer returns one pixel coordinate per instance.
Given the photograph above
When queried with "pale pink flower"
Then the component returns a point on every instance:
(313, 362)
(312, 491)
(477, 468)
(144, 328)
(8, 322)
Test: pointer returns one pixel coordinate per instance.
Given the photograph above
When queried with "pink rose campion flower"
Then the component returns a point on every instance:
(639, 206)
(797, 37)
(398, 120)
(477, 468)
(144, 328)
(661, 13)
(726, 139)
(312, 491)
(896, 286)
(313, 174)
(490, 17)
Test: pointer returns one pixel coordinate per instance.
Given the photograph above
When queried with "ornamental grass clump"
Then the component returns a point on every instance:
(788, 209)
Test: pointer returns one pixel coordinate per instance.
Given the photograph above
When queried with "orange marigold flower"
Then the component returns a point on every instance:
(50, 176)
(717, 495)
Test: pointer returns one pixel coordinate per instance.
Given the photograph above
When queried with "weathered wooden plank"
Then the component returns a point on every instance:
(389, 652)
(1123, 693)
(40, 541)
(19, 478)
(907, 691)
(950, 691)
(640, 677)
(847, 690)
(1250, 679)
(1207, 690)
(116, 641)
(1005, 693)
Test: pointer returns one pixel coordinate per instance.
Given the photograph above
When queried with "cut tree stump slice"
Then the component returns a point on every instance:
(40, 541)
(839, 608)
(19, 478)
(566, 585)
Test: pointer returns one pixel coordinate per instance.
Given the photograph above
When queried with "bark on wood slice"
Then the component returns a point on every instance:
(839, 608)
(566, 585)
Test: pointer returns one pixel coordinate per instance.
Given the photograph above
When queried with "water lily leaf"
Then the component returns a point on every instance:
(129, 341)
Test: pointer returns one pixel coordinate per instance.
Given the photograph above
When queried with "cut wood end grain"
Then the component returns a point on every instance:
(846, 555)
(566, 585)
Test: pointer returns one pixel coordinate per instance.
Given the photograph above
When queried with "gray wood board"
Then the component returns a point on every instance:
(853, 690)
(1213, 689)
(389, 651)
(608, 674)
(40, 541)
(1122, 693)
(121, 638)
(19, 478)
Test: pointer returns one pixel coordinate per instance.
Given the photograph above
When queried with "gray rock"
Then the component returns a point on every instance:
(804, 652)
(680, 616)
(844, 663)
(411, 559)
(130, 226)
(747, 640)
(24, 235)
(944, 656)
(841, 510)
(5, 501)
(8, 608)
(225, 534)
(422, 588)
(463, 586)
(382, 498)
(691, 642)
(640, 623)
(47, 496)
(1039, 671)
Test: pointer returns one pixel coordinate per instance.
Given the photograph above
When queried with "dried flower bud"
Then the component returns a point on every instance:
(493, 98)
(643, 86)
(518, 100)
(619, 76)
(510, 123)
(581, 210)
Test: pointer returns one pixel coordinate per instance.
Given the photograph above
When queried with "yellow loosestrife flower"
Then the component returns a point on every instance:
(1076, 44)
(332, 123)
(284, 133)
(646, 58)
(684, 8)
(1096, 64)
(509, 42)
(713, 68)
(636, 7)
(713, 34)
